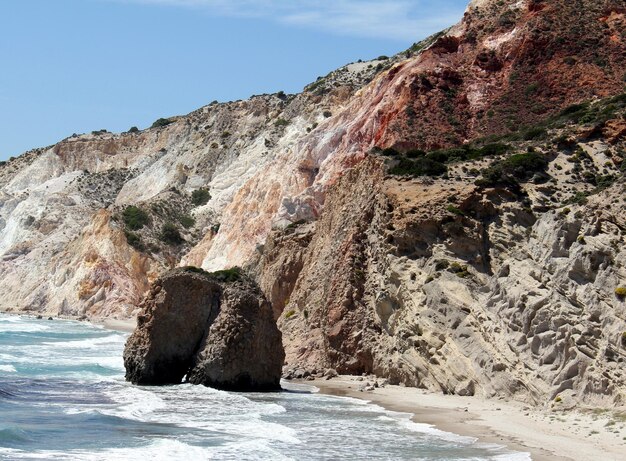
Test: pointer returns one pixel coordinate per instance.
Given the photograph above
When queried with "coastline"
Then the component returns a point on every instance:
(555, 435)
(122, 325)
(547, 435)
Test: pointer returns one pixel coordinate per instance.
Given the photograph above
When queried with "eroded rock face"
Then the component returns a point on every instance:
(216, 329)
(498, 298)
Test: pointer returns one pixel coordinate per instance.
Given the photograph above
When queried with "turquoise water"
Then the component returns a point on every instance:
(63, 397)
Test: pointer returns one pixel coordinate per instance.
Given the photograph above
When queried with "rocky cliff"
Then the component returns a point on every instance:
(451, 217)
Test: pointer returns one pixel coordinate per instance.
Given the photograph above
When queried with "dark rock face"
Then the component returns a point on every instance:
(215, 329)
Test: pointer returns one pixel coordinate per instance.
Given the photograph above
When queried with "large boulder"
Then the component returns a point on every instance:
(214, 329)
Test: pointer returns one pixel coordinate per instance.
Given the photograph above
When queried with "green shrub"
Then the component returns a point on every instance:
(295, 224)
(534, 133)
(390, 152)
(620, 292)
(186, 221)
(281, 122)
(415, 153)
(327, 114)
(200, 197)
(518, 167)
(133, 129)
(468, 152)
(233, 274)
(290, 313)
(454, 210)
(456, 267)
(574, 111)
(170, 234)
(419, 167)
(194, 269)
(579, 198)
(604, 182)
(531, 89)
(161, 123)
(441, 264)
(460, 270)
(134, 240)
(135, 218)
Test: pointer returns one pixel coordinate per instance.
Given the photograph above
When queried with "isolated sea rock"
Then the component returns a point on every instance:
(215, 329)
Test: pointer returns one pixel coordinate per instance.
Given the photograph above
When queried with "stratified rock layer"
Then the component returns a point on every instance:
(216, 329)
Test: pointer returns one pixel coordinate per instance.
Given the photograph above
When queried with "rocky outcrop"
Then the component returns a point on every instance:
(214, 329)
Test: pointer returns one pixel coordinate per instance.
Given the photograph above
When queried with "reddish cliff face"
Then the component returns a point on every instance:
(505, 66)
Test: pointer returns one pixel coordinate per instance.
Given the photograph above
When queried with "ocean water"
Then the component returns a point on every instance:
(63, 397)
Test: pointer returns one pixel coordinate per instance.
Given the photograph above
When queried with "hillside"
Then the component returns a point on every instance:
(450, 218)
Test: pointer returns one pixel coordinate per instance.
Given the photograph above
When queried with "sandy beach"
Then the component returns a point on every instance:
(547, 434)
(127, 326)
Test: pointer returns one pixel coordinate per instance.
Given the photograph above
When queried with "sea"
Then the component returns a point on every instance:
(63, 397)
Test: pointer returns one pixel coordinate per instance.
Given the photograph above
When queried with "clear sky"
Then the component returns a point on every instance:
(73, 66)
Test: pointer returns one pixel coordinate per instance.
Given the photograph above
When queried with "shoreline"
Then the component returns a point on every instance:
(121, 325)
(547, 435)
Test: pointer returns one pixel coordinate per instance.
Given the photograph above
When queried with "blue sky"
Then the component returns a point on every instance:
(73, 66)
